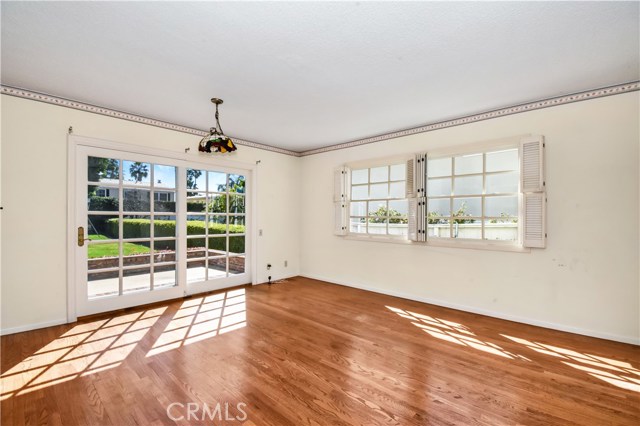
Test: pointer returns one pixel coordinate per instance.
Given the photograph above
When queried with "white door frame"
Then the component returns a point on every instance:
(199, 160)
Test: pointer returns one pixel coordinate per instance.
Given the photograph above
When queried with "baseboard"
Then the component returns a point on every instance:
(276, 279)
(471, 309)
(29, 327)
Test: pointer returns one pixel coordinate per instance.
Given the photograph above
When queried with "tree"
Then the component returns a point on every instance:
(192, 180)
(380, 216)
(139, 171)
(459, 216)
(432, 218)
(101, 168)
(235, 185)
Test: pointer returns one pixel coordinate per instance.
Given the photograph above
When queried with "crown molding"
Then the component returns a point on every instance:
(68, 103)
(516, 109)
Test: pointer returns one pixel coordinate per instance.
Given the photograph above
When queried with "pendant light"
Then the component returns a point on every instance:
(216, 140)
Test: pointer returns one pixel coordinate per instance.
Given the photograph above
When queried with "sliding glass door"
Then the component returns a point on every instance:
(151, 228)
(215, 228)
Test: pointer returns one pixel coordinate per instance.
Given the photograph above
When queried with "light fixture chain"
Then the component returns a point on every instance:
(218, 120)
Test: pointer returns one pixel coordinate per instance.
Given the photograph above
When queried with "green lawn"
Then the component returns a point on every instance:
(111, 249)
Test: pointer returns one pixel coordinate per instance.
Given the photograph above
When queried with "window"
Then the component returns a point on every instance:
(379, 205)
(162, 196)
(474, 196)
(493, 195)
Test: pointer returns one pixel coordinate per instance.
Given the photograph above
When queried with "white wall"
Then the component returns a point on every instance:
(583, 282)
(34, 196)
(586, 282)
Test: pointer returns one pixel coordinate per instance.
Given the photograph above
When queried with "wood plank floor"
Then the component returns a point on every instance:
(304, 352)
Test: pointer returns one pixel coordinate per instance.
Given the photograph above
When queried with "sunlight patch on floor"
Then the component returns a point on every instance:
(85, 349)
(453, 332)
(203, 318)
(617, 373)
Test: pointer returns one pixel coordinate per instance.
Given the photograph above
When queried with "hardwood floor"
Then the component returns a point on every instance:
(312, 353)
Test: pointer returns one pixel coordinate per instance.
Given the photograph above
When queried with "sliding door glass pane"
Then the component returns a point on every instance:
(105, 283)
(137, 200)
(217, 182)
(103, 170)
(217, 267)
(164, 276)
(237, 184)
(236, 265)
(136, 172)
(138, 279)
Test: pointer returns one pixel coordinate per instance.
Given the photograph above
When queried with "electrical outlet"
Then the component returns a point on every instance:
(286, 263)
(268, 266)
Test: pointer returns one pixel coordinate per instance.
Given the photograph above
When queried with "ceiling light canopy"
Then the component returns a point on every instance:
(216, 141)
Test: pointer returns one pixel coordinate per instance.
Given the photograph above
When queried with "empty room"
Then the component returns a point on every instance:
(319, 213)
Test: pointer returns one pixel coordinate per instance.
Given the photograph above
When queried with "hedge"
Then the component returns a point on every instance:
(104, 204)
(139, 228)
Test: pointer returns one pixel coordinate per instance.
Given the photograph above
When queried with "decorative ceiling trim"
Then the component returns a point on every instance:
(516, 109)
(55, 100)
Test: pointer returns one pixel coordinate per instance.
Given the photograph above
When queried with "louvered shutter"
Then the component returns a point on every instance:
(532, 164)
(534, 229)
(534, 197)
(340, 189)
(339, 184)
(416, 192)
(413, 219)
(410, 188)
(340, 219)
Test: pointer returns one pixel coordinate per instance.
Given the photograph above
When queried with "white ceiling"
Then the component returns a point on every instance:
(305, 75)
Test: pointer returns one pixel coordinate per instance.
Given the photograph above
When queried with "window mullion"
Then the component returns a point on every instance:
(120, 229)
(484, 192)
(151, 222)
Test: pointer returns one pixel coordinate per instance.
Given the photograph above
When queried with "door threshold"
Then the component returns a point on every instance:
(133, 309)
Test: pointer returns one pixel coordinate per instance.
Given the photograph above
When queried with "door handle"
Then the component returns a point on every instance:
(81, 237)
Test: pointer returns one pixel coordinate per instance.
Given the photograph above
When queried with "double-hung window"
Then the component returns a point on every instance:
(379, 204)
(474, 196)
(491, 194)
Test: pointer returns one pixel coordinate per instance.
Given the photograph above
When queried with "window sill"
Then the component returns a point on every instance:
(435, 243)
(379, 239)
(478, 245)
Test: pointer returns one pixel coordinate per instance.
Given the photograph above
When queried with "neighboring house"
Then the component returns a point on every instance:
(162, 192)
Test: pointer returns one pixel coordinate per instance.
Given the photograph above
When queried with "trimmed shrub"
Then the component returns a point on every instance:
(140, 228)
(196, 206)
(103, 204)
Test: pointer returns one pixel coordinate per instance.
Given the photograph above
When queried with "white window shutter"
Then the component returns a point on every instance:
(340, 184)
(421, 174)
(340, 197)
(532, 164)
(410, 188)
(413, 219)
(534, 197)
(347, 183)
(535, 227)
(340, 218)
